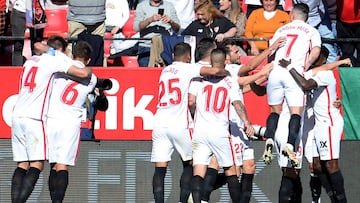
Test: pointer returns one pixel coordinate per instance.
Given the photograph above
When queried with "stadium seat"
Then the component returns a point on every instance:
(128, 28)
(57, 22)
(107, 47)
(130, 61)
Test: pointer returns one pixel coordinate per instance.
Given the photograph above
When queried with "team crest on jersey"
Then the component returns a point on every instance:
(216, 29)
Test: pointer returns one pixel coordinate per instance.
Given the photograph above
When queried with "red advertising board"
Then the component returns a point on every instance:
(132, 103)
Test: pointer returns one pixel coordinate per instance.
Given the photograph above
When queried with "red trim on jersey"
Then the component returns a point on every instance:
(44, 137)
(42, 114)
(328, 105)
(77, 150)
(232, 150)
(330, 143)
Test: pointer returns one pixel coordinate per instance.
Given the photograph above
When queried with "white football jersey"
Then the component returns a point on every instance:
(234, 117)
(300, 39)
(214, 95)
(68, 97)
(34, 84)
(324, 96)
(172, 108)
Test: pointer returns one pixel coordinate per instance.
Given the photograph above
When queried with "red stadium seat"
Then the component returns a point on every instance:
(128, 28)
(107, 47)
(57, 22)
(130, 61)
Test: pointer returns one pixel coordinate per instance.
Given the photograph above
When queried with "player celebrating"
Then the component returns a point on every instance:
(172, 118)
(301, 38)
(67, 96)
(212, 97)
(328, 126)
(28, 136)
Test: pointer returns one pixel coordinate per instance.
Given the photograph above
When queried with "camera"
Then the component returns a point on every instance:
(104, 83)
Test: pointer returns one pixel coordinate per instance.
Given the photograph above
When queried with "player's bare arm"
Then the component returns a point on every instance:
(256, 61)
(241, 111)
(264, 72)
(214, 71)
(192, 103)
(330, 66)
(313, 56)
(299, 79)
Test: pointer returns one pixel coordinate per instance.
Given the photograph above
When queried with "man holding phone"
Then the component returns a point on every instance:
(154, 17)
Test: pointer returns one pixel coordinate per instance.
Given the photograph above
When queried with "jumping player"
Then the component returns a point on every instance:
(301, 40)
(328, 126)
(28, 127)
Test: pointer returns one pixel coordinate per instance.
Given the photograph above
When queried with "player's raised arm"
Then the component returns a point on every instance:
(264, 72)
(256, 60)
(299, 79)
(330, 66)
(313, 56)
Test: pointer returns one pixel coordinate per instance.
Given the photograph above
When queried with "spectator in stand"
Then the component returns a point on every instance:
(262, 23)
(2, 16)
(232, 10)
(117, 13)
(86, 16)
(17, 22)
(331, 7)
(348, 26)
(210, 23)
(186, 9)
(255, 4)
(319, 18)
(154, 18)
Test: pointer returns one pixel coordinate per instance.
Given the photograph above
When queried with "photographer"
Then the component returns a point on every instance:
(96, 101)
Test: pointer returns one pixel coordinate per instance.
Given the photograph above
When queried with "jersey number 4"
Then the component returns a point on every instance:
(30, 79)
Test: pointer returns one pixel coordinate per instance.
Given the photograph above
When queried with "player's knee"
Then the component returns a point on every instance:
(332, 166)
(317, 167)
(249, 167)
(290, 173)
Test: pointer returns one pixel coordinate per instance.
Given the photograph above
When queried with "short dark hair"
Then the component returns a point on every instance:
(82, 50)
(324, 52)
(204, 47)
(218, 55)
(57, 42)
(181, 48)
(277, 2)
(302, 9)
